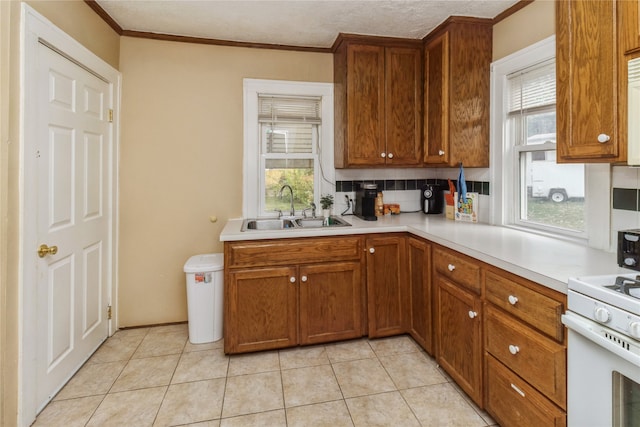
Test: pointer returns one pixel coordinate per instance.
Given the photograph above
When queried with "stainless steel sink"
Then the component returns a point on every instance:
(291, 223)
(332, 221)
(267, 224)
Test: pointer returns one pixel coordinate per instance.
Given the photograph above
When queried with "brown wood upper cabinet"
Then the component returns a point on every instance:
(629, 23)
(457, 57)
(591, 81)
(378, 97)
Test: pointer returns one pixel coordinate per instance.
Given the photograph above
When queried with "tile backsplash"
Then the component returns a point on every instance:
(403, 186)
(625, 212)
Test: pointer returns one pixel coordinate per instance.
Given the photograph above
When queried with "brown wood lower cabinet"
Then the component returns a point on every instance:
(330, 302)
(262, 309)
(420, 313)
(458, 336)
(313, 300)
(387, 290)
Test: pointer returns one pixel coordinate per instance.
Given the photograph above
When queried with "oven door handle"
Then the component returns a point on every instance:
(585, 327)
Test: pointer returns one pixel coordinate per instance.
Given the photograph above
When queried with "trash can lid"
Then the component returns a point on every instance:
(204, 262)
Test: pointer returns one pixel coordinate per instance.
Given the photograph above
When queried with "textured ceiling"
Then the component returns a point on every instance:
(304, 23)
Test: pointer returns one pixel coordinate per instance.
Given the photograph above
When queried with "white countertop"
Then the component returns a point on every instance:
(542, 259)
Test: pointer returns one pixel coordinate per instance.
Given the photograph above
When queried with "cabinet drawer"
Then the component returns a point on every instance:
(540, 311)
(512, 402)
(458, 269)
(259, 253)
(536, 358)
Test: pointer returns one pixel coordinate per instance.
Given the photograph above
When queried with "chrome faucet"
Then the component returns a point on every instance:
(311, 208)
(292, 212)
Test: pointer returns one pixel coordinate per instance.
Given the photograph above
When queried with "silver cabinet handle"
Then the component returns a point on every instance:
(603, 137)
(472, 314)
(451, 267)
(514, 349)
(383, 155)
(390, 155)
(441, 153)
(513, 300)
(292, 279)
(303, 278)
(372, 250)
(517, 389)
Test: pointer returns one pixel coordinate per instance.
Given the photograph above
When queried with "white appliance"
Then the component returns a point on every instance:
(603, 351)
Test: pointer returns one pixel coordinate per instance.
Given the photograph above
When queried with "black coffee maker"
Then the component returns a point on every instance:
(366, 202)
(432, 199)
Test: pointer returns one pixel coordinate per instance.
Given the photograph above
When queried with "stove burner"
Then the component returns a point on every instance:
(625, 285)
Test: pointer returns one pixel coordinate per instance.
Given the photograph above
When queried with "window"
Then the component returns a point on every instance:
(530, 189)
(288, 146)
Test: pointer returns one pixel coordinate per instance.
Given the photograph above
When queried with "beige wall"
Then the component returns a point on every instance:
(181, 160)
(525, 27)
(79, 20)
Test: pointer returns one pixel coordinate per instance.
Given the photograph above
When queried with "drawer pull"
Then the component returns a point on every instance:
(520, 392)
(303, 278)
(372, 250)
(472, 314)
(451, 267)
(292, 279)
(514, 349)
(513, 300)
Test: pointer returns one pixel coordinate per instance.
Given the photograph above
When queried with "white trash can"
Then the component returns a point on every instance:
(205, 285)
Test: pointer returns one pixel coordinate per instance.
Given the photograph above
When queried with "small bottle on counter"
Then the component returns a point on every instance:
(379, 205)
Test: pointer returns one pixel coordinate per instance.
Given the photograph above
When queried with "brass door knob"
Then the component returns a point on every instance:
(45, 250)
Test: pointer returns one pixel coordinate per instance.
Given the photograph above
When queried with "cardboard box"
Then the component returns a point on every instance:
(467, 211)
(450, 212)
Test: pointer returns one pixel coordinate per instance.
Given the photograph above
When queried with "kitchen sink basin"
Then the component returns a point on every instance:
(332, 221)
(267, 224)
(291, 223)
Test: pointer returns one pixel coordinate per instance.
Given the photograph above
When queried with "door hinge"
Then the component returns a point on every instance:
(110, 116)
(109, 312)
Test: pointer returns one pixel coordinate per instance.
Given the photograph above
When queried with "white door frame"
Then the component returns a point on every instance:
(34, 28)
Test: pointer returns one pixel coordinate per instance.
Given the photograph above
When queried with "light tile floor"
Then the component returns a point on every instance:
(156, 377)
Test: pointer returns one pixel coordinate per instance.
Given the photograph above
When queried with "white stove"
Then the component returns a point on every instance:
(609, 300)
(603, 350)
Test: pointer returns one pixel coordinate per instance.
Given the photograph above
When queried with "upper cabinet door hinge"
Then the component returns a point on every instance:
(109, 312)
(110, 115)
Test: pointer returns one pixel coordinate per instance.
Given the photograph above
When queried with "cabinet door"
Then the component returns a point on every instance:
(420, 320)
(629, 25)
(436, 101)
(330, 302)
(386, 286)
(587, 76)
(458, 337)
(403, 102)
(261, 309)
(365, 105)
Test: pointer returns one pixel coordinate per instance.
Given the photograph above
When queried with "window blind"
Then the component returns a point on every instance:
(289, 125)
(273, 109)
(533, 88)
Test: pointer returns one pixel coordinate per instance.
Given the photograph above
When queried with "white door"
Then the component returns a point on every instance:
(73, 216)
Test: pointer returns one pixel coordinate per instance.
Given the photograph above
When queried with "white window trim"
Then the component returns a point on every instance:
(597, 176)
(251, 161)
